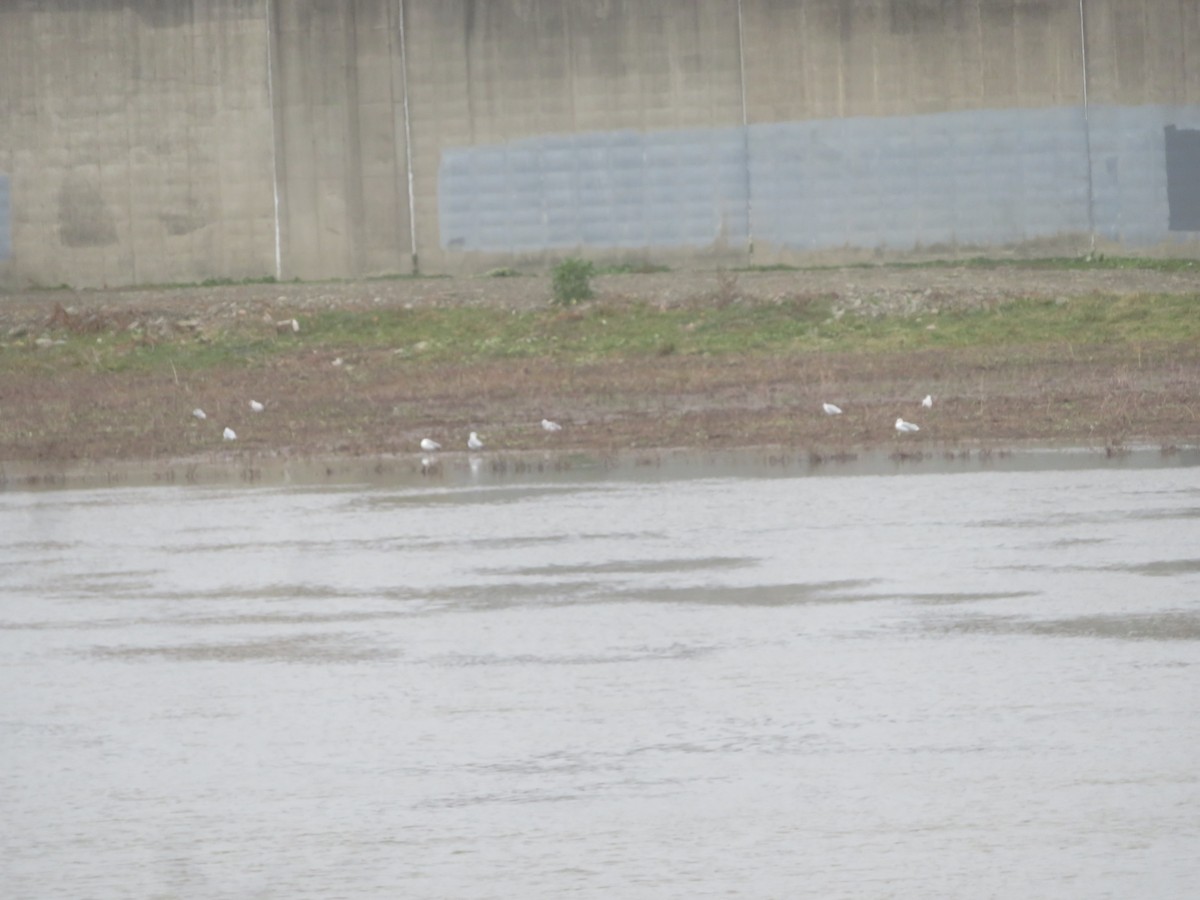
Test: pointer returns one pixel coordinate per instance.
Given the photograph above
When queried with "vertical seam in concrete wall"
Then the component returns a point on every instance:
(408, 146)
(569, 45)
(132, 32)
(399, 136)
(274, 135)
(1087, 132)
(352, 159)
(468, 30)
(745, 137)
(5, 218)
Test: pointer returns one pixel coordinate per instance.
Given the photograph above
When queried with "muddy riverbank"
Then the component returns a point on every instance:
(358, 398)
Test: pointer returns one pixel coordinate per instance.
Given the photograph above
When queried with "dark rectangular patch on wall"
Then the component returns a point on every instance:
(1183, 178)
(5, 220)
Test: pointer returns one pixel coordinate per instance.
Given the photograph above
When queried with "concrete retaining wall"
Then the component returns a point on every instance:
(341, 145)
(136, 140)
(178, 140)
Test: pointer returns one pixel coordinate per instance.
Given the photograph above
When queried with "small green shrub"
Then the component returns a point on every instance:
(573, 281)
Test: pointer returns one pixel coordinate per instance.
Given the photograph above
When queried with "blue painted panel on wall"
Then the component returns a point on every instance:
(608, 189)
(966, 178)
(983, 177)
(5, 219)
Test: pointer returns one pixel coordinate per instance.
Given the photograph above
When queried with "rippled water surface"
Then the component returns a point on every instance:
(667, 681)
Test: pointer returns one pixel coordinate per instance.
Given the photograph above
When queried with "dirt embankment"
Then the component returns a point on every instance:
(319, 403)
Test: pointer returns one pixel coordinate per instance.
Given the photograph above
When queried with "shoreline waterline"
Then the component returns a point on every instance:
(455, 468)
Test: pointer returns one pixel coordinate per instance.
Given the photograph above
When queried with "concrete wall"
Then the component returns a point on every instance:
(136, 140)
(341, 147)
(826, 59)
(177, 140)
(873, 128)
(586, 106)
(1147, 52)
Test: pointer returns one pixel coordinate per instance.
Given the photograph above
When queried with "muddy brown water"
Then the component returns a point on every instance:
(714, 675)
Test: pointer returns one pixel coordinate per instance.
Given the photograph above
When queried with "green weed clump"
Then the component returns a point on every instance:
(573, 281)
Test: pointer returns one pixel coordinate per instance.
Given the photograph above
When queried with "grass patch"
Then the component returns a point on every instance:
(596, 331)
(1092, 319)
(1070, 263)
(207, 282)
(389, 276)
(120, 355)
(640, 268)
(263, 279)
(782, 267)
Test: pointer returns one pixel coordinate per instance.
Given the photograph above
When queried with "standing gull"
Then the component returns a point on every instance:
(229, 434)
(474, 443)
(928, 401)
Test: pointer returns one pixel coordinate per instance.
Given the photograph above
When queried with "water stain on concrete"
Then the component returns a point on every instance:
(84, 218)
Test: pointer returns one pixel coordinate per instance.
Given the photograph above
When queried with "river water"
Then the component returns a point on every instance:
(723, 677)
